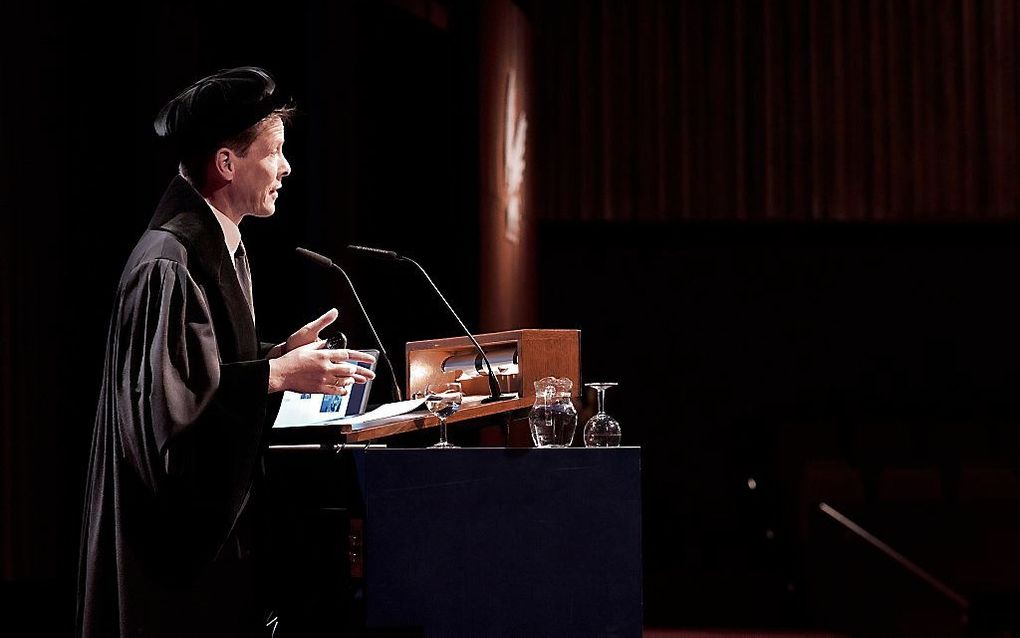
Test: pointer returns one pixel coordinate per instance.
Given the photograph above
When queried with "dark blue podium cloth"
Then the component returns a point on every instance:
(490, 541)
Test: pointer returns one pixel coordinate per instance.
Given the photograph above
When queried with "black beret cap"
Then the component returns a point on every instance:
(217, 108)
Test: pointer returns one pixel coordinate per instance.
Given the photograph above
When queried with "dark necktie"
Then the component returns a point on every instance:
(244, 276)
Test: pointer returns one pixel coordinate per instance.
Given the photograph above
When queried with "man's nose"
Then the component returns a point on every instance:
(285, 167)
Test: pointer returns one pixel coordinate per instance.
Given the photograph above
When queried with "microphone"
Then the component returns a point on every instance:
(495, 394)
(375, 252)
(316, 257)
(328, 263)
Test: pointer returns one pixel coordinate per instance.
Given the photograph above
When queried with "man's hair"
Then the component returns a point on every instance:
(193, 168)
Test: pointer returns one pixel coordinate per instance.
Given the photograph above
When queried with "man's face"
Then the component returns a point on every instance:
(259, 175)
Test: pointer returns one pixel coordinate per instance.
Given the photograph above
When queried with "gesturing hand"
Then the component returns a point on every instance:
(310, 368)
(308, 333)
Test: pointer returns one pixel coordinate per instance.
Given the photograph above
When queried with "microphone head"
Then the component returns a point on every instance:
(314, 256)
(373, 252)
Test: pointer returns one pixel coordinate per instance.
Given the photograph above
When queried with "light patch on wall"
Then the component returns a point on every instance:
(513, 160)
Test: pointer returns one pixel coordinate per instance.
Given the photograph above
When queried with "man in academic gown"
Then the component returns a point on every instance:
(167, 544)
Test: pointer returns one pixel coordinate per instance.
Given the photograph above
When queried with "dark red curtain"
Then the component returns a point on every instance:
(791, 109)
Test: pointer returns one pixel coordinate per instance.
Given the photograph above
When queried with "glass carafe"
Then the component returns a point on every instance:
(553, 418)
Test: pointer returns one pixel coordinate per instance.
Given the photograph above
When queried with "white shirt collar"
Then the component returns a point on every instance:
(231, 233)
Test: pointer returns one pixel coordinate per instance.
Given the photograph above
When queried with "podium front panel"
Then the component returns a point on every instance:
(492, 541)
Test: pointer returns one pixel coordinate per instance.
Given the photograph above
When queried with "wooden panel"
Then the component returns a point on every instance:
(506, 264)
(541, 353)
(552, 353)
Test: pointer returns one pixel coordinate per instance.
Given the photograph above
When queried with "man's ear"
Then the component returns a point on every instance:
(224, 163)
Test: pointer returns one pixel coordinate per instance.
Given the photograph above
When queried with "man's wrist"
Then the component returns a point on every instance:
(277, 370)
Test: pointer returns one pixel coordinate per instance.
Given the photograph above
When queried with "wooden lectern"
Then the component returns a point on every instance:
(532, 355)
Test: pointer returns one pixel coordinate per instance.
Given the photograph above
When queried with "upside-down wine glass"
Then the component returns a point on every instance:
(601, 430)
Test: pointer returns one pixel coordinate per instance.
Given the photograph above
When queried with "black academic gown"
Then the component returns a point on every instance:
(179, 430)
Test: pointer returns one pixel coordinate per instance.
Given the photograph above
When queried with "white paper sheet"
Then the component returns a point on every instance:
(298, 412)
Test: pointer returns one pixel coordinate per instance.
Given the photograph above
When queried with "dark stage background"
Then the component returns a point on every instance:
(789, 229)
